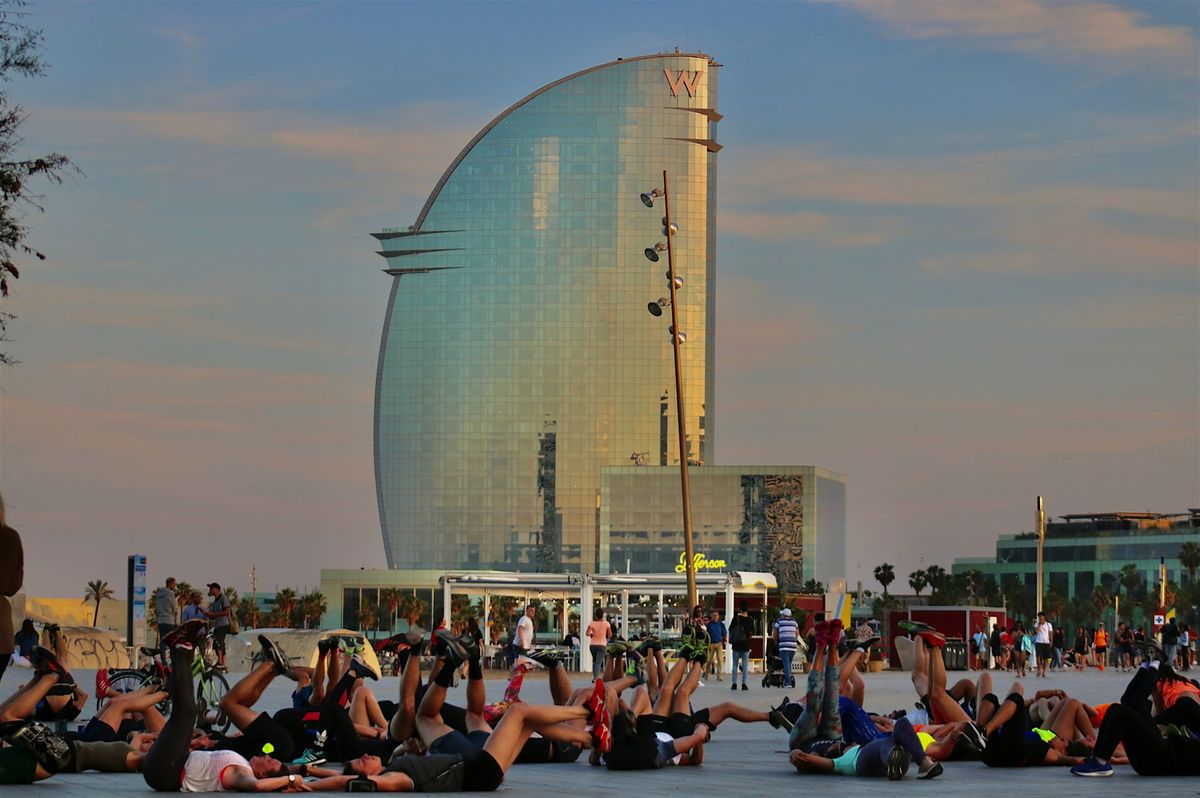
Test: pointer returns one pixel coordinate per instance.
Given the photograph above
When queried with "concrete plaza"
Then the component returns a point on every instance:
(741, 760)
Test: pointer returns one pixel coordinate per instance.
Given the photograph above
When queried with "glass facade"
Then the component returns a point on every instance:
(518, 358)
(1080, 555)
(786, 520)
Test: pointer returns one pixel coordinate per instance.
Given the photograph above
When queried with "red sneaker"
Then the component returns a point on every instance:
(102, 683)
(821, 630)
(932, 639)
(835, 630)
(602, 732)
(595, 703)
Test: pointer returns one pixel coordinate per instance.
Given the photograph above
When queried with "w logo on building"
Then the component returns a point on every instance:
(687, 79)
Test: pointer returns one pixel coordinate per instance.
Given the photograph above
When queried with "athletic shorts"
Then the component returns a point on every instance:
(681, 725)
(1099, 650)
(1043, 650)
(468, 746)
(263, 730)
(44, 712)
(16, 767)
(665, 753)
(97, 731)
(300, 697)
(484, 774)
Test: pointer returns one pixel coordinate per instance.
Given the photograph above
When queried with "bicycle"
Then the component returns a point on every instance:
(211, 685)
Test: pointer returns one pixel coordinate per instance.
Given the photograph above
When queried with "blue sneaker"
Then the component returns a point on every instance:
(1093, 767)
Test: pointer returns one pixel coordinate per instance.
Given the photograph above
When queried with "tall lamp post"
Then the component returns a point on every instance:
(1041, 545)
(678, 337)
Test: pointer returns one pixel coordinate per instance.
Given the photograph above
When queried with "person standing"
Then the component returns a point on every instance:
(1100, 646)
(741, 629)
(787, 637)
(523, 639)
(717, 635)
(980, 641)
(598, 633)
(218, 615)
(1170, 640)
(166, 609)
(997, 643)
(192, 610)
(1043, 636)
(12, 575)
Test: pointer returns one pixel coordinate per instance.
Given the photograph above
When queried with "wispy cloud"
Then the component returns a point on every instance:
(824, 229)
(1104, 36)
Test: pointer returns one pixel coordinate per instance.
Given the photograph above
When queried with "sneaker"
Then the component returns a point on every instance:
(595, 703)
(311, 756)
(550, 657)
(44, 662)
(327, 645)
(453, 651)
(821, 633)
(912, 627)
(602, 732)
(49, 750)
(186, 635)
(1092, 767)
(744, 687)
(897, 760)
(360, 668)
(649, 644)
(932, 772)
(734, 686)
(932, 639)
(778, 721)
(273, 653)
(835, 630)
(865, 644)
(617, 648)
(102, 683)
(414, 636)
(976, 735)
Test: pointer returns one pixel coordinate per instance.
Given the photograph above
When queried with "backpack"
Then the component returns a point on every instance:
(737, 633)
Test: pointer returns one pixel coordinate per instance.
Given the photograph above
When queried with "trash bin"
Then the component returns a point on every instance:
(955, 655)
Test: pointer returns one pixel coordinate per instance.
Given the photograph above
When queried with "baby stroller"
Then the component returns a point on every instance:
(774, 675)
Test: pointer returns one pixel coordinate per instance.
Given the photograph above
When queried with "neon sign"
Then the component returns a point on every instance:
(700, 562)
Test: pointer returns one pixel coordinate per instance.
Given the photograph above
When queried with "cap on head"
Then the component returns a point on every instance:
(215, 584)
(787, 613)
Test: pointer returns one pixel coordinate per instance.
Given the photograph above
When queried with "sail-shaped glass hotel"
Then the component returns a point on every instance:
(518, 358)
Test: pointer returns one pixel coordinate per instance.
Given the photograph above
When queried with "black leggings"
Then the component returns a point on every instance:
(1148, 752)
(336, 720)
(163, 765)
(1185, 712)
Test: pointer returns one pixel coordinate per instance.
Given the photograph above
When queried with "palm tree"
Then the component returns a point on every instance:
(391, 599)
(368, 616)
(285, 607)
(917, 580)
(1131, 579)
(885, 574)
(97, 591)
(313, 605)
(1189, 558)
(936, 577)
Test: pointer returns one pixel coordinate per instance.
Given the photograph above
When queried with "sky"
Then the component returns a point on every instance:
(958, 262)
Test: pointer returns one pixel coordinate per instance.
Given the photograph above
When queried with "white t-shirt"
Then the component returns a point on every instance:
(203, 769)
(1043, 632)
(525, 632)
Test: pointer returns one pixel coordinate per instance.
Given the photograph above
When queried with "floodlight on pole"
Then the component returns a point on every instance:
(651, 253)
(678, 337)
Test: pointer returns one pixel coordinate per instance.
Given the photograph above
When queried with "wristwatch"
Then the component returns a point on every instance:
(291, 779)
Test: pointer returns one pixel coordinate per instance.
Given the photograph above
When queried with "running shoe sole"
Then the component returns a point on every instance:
(932, 773)
(895, 763)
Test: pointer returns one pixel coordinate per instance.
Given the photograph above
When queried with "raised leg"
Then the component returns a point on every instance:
(238, 702)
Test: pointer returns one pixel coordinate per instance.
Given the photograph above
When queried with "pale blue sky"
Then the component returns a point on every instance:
(958, 261)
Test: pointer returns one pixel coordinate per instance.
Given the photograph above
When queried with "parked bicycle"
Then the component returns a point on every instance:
(211, 685)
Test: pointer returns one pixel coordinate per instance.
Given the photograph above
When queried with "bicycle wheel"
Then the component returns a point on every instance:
(209, 692)
(130, 679)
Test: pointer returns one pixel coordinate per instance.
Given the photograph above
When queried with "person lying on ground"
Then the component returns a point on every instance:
(1149, 752)
(888, 757)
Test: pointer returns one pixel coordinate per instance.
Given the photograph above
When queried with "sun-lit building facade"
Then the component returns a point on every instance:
(518, 358)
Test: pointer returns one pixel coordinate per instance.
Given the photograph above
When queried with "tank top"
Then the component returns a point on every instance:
(203, 769)
(1172, 691)
(1101, 638)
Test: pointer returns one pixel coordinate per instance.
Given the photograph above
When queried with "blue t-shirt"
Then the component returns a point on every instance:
(789, 633)
(716, 631)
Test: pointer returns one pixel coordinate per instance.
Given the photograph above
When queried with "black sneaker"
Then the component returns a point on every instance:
(549, 658)
(44, 662)
(453, 651)
(273, 653)
(744, 687)
(976, 734)
(897, 760)
(778, 721)
(360, 668)
(327, 645)
(567, 752)
(931, 772)
(470, 645)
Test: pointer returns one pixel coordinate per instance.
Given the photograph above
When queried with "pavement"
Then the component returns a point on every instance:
(741, 760)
